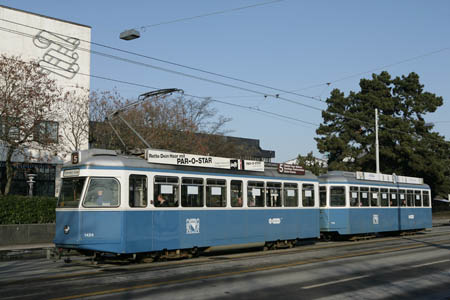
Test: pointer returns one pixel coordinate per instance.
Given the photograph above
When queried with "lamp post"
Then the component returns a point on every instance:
(31, 182)
(377, 146)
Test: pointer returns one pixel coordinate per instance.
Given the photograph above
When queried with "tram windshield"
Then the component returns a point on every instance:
(70, 194)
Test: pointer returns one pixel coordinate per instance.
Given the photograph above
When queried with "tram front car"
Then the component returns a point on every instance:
(95, 224)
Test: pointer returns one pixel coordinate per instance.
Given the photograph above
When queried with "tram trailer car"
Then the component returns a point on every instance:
(354, 203)
(110, 203)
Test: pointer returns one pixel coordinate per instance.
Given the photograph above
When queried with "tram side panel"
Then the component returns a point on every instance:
(373, 220)
(412, 218)
(139, 230)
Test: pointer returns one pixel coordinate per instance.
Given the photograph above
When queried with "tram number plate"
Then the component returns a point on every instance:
(375, 219)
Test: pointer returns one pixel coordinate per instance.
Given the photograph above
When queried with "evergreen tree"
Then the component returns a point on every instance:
(310, 163)
(407, 145)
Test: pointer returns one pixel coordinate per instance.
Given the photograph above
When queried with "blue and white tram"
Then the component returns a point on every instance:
(359, 203)
(127, 205)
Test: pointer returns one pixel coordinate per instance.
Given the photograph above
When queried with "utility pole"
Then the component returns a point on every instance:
(376, 142)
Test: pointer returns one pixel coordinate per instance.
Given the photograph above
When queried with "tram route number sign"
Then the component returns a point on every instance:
(291, 169)
(183, 159)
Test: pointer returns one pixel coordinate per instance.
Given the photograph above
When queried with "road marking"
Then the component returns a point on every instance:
(430, 263)
(334, 282)
(246, 271)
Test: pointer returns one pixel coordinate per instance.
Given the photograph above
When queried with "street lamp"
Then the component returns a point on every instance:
(130, 34)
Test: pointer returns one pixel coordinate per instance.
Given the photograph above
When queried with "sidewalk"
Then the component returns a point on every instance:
(26, 251)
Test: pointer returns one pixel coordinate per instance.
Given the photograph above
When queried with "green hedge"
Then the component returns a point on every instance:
(27, 210)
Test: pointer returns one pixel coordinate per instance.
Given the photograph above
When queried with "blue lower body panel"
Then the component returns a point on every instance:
(372, 220)
(154, 230)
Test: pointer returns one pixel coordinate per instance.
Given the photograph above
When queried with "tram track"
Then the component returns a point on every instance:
(126, 286)
(116, 269)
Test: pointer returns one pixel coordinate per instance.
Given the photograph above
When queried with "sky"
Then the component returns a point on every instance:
(289, 45)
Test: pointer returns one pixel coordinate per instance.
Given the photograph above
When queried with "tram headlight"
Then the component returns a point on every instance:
(66, 229)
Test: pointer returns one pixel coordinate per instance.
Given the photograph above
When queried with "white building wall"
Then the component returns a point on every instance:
(63, 50)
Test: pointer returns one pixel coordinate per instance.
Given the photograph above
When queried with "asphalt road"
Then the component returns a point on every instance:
(413, 267)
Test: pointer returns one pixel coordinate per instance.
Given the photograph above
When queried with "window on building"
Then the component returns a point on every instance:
(102, 192)
(138, 191)
(337, 196)
(236, 193)
(255, 193)
(165, 191)
(354, 200)
(216, 193)
(192, 192)
(46, 131)
(290, 195)
(9, 128)
(273, 198)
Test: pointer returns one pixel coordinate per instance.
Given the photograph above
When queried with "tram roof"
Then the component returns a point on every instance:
(351, 177)
(110, 159)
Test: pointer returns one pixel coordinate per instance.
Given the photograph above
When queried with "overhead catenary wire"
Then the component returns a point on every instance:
(209, 14)
(277, 96)
(179, 65)
(257, 110)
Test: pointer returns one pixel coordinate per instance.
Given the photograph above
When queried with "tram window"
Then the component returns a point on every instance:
(417, 199)
(354, 201)
(236, 193)
(374, 197)
(290, 195)
(323, 196)
(384, 200)
(138, 191)
(364, 196)
(255, 193)
(426, 199)
(102, 192)
(308, 195)
(337, 196)
(166, 191)
(192, 192)
(410, 198)
(393, 201)
(71, 190)
(402, 197)
(273, 197)
(216, 193)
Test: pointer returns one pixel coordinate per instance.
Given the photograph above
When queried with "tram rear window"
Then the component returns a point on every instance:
(71, 192)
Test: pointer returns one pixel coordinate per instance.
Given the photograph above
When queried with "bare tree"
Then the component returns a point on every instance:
(75, 127)
(27, 110)
(174, 123)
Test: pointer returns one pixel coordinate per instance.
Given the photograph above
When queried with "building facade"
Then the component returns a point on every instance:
(62, 49)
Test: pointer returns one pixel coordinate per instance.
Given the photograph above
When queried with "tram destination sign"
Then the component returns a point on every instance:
(192, 160)
(291, 169)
